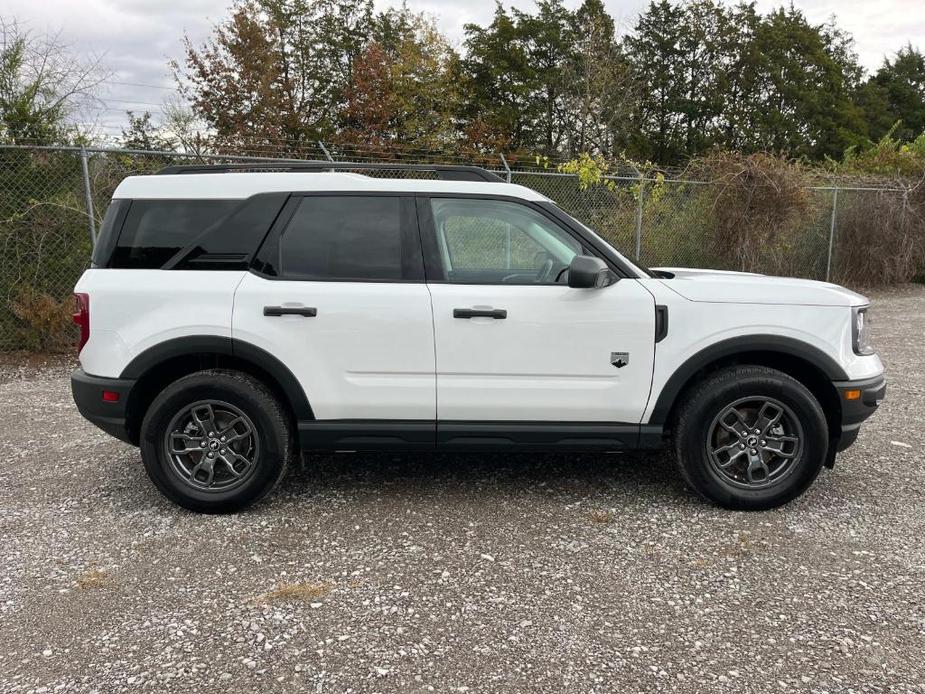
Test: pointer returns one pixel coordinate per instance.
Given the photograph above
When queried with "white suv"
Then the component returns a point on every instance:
(234, 317)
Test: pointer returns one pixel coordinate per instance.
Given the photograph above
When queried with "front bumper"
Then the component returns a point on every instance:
(856, 409)
(108, 415)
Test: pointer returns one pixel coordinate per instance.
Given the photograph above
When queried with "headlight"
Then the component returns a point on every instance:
(860, 330)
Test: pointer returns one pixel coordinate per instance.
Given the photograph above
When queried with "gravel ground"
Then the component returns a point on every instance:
(363, 573)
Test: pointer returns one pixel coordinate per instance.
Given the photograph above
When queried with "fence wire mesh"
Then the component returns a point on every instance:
(49, 209)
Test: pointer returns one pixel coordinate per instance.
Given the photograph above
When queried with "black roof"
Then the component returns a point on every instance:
(445, 172)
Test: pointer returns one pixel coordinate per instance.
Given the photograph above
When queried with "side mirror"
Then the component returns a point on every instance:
(588, 272)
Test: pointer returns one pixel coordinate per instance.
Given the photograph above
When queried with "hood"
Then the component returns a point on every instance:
(725, 286)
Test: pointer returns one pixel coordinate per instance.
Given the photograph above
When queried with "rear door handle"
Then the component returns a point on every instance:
(306, 311)
(497, 313)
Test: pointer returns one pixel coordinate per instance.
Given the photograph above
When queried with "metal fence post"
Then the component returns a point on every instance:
(639, 216)
(506, 167)
(326, 152)
(828, 262)
(85, 169)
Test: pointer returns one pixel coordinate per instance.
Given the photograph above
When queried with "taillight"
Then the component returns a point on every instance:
(82, 318)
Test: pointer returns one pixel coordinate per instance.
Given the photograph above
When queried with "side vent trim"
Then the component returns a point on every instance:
(661, 323)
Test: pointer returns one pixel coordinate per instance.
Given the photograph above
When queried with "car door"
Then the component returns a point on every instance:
(337, 294)
(513, 341)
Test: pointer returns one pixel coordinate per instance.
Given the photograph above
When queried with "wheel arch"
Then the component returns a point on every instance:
(807, 364)
(166, 362)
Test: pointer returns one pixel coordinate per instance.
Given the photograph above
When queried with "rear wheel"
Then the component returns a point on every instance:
(216, 441)
(750, 437)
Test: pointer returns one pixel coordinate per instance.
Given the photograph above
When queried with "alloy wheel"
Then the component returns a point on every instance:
(754, 442)
(212, 446)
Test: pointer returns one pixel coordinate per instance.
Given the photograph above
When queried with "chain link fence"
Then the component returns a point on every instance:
(52, 200)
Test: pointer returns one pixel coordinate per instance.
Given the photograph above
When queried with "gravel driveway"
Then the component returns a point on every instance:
(364, 573)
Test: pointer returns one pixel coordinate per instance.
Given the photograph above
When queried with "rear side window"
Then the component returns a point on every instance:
(350, 237)
(155, 230)
(109, 232)
(228, 244)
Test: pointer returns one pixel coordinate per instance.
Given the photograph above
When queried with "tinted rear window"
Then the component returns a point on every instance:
(345, 238)
(228, 245)
(155, 230)
(109, 231)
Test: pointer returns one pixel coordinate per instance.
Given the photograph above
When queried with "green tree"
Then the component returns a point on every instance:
(496, 70)
(716, 75)
(548, 41)
(737, 79)
(806, 79)
(141, 133)
(702, 52)
(599, 89)
(654, 51)
(896, 93)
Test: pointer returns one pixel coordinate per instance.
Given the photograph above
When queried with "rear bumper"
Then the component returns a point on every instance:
(107, 415)
(856, 410)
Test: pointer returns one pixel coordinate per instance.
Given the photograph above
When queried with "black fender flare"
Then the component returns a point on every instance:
(774, 344)
(191, 345)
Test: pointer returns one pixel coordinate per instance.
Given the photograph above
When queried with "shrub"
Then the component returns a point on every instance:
(881, 234)
(759, 211)
(45, 321)
(880, 237)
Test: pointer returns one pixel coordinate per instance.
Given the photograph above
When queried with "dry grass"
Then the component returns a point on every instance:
(295, 592)
(92, 579)
(601, 516)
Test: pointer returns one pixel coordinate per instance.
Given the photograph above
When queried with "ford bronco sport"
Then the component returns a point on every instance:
(234, 317)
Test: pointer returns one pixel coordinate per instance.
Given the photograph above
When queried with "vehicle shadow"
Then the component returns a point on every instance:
(649, 474)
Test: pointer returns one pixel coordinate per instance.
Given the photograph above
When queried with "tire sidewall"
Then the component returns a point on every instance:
(272, 441)
(710, 402)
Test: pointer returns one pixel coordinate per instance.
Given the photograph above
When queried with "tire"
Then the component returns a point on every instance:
(730, 452)
(208, 473)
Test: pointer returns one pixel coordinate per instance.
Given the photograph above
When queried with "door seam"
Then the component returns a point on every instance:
(433, 332)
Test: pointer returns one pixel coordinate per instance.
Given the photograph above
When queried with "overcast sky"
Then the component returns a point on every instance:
(136, 38)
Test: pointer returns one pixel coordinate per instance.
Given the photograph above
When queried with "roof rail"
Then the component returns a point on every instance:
(445, 172)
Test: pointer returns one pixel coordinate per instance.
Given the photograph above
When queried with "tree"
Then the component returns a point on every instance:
(896, 93)
(599, 89)
(42, 86)
(182, 124)
(690, 77)
(143, 134)
(403, 88)
(371, 104)
(424, 73)
(806, 78)
(275, 72)
(496, 69)
(713, 75)
(702, 52)
(548, 41)
(654, 52)
(737, 78)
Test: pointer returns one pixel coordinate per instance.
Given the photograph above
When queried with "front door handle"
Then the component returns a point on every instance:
(306, 311)
(497, 313)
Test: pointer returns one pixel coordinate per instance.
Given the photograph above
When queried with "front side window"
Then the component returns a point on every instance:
(499, 242)
(346, 238)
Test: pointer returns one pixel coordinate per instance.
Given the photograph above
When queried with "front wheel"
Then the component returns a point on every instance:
(215, 441)
(750, 438)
